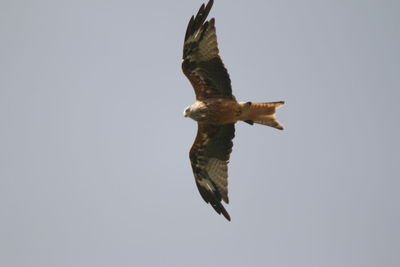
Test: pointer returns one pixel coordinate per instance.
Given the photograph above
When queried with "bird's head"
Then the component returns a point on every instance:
(195, 111)
(186, 112)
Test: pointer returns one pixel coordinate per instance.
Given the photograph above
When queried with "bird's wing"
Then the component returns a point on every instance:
(201, 63)
(209, 157)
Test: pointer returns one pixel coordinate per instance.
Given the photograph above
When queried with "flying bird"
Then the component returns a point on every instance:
(215, 110)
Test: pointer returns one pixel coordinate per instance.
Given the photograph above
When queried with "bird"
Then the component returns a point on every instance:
(215, 110)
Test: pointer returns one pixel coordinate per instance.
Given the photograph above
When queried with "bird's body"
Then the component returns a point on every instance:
(231, 111)
(228, 111)
(215, 110)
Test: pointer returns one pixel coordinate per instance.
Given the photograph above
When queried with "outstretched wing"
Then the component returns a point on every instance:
(209, 156)
(201, 62)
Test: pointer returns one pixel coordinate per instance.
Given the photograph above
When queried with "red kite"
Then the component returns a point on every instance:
(215, 110)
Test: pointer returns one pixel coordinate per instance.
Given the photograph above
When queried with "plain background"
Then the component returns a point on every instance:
(94, 167)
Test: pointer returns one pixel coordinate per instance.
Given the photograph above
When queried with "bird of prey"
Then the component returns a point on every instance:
(215, 110)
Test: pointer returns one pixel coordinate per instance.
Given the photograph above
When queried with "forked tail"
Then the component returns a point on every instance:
(261, 113)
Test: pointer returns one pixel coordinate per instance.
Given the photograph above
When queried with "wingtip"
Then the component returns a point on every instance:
(220, 209)
(226, 215)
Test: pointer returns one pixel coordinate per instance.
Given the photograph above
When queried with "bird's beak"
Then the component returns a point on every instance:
(185, 114)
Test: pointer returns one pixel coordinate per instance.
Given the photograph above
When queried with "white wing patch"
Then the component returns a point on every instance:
(218, 172)
(207, 46)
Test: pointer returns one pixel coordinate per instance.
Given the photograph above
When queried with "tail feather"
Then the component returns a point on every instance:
(262, 113)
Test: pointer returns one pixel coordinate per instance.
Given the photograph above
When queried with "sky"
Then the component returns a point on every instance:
(94, 167)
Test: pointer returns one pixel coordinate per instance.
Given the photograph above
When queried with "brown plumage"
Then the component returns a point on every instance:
(215, 110)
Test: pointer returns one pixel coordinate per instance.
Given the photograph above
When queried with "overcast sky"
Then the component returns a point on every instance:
(94, 167)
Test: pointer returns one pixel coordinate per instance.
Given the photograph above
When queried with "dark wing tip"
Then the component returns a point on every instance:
(197, 21)
(214, 199)
(219, 208)
(209, 6)
(226, 214)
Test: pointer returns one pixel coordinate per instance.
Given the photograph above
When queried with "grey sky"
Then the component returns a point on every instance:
(94, 167)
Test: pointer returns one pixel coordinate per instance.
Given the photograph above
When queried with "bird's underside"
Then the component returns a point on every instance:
(215, 110)
(218, 111)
